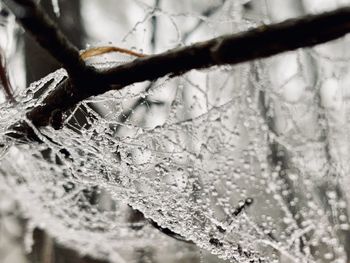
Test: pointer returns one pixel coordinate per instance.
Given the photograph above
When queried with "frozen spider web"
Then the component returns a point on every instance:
(247, 162)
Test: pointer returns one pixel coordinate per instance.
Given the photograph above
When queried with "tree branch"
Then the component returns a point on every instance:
(261, 42)
(34, 20)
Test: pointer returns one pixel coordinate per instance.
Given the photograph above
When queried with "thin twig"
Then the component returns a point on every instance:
(5, 81)
(154, 22)
(96, 51)
(207, 13)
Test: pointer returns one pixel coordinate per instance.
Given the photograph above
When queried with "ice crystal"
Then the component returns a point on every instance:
(56, 7)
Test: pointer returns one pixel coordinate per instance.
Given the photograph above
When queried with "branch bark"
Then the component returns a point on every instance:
(261, 42)
(44, 30)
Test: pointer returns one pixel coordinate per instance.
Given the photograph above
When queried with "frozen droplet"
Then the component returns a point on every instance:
(56, 7)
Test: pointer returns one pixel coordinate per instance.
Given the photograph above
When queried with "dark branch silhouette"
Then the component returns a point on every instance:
(261, 42)
(44, 30)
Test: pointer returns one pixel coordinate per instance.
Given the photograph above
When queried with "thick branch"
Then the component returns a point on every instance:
(34, 20)
(257, 43)
(261, 42)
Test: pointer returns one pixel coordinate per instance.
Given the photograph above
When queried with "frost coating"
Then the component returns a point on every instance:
(235, 159)
(207, 176)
